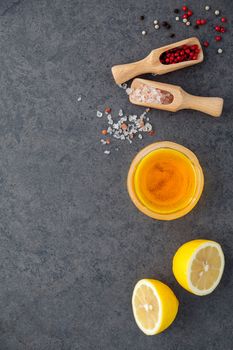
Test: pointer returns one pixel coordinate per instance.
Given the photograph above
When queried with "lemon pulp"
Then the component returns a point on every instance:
(165, 180)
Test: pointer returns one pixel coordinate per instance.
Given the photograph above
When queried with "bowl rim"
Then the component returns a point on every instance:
(199, 173)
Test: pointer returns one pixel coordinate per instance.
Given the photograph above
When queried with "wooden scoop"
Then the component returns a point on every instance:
(152, 64)
(181, 99)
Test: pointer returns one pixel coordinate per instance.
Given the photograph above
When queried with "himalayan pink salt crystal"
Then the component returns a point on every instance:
(150, 94)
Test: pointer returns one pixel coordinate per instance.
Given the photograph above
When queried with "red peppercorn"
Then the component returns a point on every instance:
(184, 8)
(218, 38)
(203, 21)
(190, 13)
(167, 60)
(206, 43)
(198, 21)
(185, 15)
(194, 57)
(218, 28)
(223, 30)
(223, 20)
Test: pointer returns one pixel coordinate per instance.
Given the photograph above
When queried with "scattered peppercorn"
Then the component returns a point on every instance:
(164, 23)
(176, 11)
(185, 15)
(218, 28)
(223, 30)
(168, 26)
(218, 38)
(223, 19)
(190, 13)
(196, 26)
(142, 18)
(206, 43)
(184, 8)
(172, 35)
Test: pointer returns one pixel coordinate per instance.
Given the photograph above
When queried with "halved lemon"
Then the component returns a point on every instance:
(154, 306)
(198, 266)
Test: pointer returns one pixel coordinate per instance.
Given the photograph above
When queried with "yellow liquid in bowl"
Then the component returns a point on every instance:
(165, 181)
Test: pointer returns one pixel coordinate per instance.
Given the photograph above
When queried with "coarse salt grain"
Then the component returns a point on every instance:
(79, 98)
(107, 152)
(177, 18)
(207, 8)
(128, 91)
(99, 114)
(155, 21)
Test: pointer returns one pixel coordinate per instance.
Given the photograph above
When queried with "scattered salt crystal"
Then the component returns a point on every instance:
(103, 142)
(140, 136)
(99, 114)
(124, 86)
(79, 98)
(129, 91)
(147, 127)
(107, 152)
(120, 113)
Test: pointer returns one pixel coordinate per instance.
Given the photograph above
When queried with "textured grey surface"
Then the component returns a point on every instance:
(72, 245)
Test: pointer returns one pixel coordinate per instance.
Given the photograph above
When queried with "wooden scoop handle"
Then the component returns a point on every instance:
(125, 72)
(209, 105)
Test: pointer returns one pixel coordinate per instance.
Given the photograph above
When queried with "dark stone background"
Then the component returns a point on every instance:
(72, 245)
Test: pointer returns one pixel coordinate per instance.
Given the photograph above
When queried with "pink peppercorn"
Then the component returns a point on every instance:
(206, 43)
(218, 38)
(203, 21)
(223, 19)
(198, 21)
(190, 13)
(218, 28)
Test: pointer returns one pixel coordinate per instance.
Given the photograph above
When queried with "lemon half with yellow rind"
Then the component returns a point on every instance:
(154, 306)
(198, 266)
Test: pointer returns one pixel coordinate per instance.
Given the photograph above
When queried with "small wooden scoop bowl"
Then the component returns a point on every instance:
(152, 64)
(182, 100)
